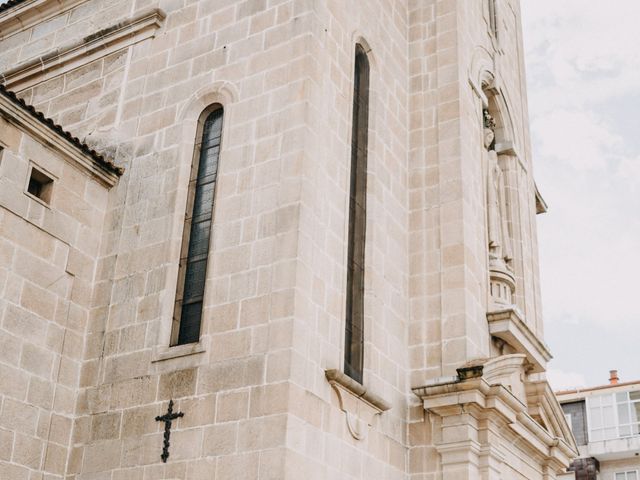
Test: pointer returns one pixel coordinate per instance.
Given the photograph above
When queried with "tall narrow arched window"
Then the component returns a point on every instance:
(187, 314)
(354, 325)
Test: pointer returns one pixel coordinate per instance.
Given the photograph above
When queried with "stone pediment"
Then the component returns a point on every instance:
(496, 394)
(544, 407)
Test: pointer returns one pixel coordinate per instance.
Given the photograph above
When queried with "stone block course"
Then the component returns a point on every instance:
(87, 304)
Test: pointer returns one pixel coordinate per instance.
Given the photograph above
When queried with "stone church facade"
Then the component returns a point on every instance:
(307, 224)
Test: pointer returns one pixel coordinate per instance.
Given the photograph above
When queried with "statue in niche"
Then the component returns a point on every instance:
(500, 253)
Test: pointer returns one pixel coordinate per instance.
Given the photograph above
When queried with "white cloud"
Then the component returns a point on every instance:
(588, 49)
(576, 137)
(583, 67)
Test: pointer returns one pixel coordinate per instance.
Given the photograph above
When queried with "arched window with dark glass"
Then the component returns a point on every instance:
(354, 325)
(194, 253)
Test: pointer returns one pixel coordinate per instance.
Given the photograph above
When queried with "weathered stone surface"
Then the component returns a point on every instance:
(88, 281)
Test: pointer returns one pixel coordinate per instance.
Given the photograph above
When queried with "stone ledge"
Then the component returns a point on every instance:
(541, 205)
(508, 325)
(28, 13)
(90, 48)
(161, 354)
(359, 405)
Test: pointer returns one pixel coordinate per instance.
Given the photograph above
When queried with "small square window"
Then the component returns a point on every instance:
(40, 185)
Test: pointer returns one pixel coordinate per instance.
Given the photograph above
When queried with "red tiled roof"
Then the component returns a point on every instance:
(9, 4)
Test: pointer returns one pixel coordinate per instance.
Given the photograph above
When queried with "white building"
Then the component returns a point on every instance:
(605, 421)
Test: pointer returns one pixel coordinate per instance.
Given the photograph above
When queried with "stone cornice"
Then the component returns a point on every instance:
(541, 205)
(540, 395)
(22, 14)
(70, 148)
(473, 395)
(508, 325)
(92, 47)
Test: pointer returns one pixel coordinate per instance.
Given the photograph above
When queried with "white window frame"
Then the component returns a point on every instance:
(626, 475)
(616, 423)
(567, 417)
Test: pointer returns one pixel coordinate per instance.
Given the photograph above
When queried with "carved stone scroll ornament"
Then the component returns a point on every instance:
(359, 405)
(502, 283)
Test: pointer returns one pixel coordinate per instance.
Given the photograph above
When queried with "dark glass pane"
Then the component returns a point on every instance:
(212, 128)
(208, 165)
(203, 204)
(197, 242)
(194, 280)
(354, 326)
(190, 323)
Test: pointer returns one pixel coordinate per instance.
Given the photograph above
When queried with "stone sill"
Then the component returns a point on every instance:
(508, 325)
(359, 405)
(335, 376)
(162, 354)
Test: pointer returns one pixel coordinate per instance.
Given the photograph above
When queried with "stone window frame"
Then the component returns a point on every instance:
(591, 404)
(359, 402)
(176, 327)
(357, 218)
(568, 418)
(42, 171)
(189, 117)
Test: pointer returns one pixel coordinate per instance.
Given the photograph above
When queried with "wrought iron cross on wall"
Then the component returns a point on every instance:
(167, 418)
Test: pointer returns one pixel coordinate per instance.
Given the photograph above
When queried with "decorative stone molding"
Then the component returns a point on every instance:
(507, 148)
(507, 325)
(545, 408)
(90, 48)
(32, 12)
(478, 418)
(502, 287)
(359, 405)
(541, 205)
(509, 371)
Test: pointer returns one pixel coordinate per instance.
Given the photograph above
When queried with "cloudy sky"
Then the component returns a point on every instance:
(583, 69)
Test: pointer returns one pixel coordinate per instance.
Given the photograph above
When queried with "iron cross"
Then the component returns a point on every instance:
(167, 418)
